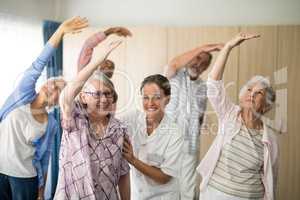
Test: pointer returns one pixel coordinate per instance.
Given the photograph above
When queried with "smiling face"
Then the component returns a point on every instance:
(254, 98)
(198, 65)
(154, 100)
(98, 98)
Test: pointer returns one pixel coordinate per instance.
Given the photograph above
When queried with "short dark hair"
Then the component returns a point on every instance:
(160, 80)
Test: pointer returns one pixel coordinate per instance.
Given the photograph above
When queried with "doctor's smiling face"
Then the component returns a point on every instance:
(155, 92)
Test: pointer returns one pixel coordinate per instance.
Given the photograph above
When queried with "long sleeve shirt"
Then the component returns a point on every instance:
(24, 94)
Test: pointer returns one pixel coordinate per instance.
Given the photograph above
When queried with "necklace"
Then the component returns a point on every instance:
(98, 133)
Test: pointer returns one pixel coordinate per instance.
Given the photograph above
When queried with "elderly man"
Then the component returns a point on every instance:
(187, 107)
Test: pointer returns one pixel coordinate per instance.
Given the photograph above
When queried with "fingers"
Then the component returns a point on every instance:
(121, 31)
(80, 23)
(247, 36)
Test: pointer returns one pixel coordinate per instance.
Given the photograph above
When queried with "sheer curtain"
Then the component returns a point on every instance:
(21, 42)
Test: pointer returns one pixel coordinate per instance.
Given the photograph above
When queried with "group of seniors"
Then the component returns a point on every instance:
(145, 154)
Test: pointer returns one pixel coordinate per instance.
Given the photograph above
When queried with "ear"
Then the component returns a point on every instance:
(167, 99)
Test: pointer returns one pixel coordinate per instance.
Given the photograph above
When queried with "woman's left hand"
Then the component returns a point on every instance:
(74, 25)
(128, 151)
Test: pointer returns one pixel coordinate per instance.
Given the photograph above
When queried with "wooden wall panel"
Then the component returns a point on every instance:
(288, 57)
(146, 54)
(258, 56)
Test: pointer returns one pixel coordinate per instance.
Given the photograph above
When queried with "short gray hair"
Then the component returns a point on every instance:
(270, 93)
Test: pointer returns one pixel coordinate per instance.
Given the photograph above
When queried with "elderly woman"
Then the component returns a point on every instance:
(242, 161)
(91, 163)
(27, 129)
(157, 142)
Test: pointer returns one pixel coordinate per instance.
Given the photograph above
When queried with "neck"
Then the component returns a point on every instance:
(153, 123)
(251, 119)
(103, 120)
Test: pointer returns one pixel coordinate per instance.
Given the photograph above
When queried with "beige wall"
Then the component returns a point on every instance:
(275, 55)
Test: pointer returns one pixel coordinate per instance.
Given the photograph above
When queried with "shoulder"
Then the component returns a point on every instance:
(172, 128)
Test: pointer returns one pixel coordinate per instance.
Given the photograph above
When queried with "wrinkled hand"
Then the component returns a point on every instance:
(241, 37)
(120, 31)
(128, 151)
(74, 25)
(97, 60)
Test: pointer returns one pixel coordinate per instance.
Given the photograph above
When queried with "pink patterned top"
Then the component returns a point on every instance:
(90, 168)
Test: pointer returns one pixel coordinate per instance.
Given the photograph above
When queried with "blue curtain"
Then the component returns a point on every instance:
(54, 68)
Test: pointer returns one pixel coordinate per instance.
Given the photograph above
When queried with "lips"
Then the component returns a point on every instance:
(102, 107)
(152, 109)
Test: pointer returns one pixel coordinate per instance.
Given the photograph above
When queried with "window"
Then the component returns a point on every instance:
(21, 42)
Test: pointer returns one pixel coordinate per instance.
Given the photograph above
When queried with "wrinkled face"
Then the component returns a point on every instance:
(107, 67)
(52, 90)
(154, 100)
(254, 97)
(198, 65)
(98, 98)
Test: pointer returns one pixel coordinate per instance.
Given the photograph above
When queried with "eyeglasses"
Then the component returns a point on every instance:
(99, 94)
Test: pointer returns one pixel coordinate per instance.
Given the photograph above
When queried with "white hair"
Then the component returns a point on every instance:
(270, 93)
(99, 76)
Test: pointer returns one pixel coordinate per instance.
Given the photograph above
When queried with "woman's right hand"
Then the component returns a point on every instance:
(238, 39)
(97, 60)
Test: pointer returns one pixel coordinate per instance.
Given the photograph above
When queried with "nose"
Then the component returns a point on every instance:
(150, 102)
(103, 99)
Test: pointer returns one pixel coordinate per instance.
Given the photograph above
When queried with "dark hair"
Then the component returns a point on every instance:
(107, 61)
(160, 80)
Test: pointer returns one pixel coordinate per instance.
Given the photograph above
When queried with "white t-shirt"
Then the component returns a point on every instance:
(17, 131)
(161, 149)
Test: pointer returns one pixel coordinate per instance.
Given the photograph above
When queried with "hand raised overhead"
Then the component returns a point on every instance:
(74, 25)
(120, 31)
(241, 37)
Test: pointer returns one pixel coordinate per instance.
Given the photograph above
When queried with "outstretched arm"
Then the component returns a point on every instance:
(180, 61)
(89, 45)
(33, 73)
(218, 68)
(73, 88)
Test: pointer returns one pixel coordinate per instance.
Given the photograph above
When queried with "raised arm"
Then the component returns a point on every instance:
(73, 88)
(33, 73)
(180, 61)
(89, 45)
(218, 68)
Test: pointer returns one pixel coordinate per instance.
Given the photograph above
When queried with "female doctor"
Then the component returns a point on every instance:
(155, 151)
